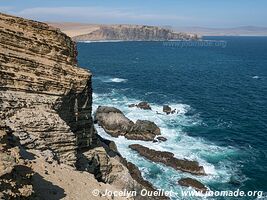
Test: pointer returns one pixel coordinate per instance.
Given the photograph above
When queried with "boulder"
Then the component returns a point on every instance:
(167, 109)
(113, 121)
(143, 130)
(161, 139)
(189, 182)
(131, 105)
(144, 105)
(168, 159)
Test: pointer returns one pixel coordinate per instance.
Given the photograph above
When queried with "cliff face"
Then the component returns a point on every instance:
(44, 97)
(45, 121)
(133, 33)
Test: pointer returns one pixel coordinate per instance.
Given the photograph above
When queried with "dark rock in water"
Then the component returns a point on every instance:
(136, 174)
(131, 105)
(167, 109)
(189, 182)
(113, 121)
(143, 130)
(144, 105)
(168, 159)
(161, 138)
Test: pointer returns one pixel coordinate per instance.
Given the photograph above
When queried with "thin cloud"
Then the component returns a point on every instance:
(95, 14)
(5, 8)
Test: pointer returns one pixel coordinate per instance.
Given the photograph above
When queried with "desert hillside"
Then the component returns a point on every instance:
(94, 32)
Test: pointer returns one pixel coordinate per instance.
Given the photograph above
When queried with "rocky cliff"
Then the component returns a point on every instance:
(133, 33)
(45, 108)
(45, 98)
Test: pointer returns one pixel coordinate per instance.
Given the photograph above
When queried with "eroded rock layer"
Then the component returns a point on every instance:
(44, 97)
(45, 103)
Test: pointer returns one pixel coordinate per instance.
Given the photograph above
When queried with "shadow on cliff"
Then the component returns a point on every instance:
(22, 176)
(75, 109)
(45, 190)
(90, 164)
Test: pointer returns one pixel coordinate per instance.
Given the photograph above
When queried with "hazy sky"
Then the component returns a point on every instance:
(208, 13)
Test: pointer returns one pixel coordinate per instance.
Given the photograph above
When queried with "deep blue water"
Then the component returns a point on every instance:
(221, 94)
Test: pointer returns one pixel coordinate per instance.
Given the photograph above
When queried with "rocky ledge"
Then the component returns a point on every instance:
(189, 182)
(168, 159)
(115, 123)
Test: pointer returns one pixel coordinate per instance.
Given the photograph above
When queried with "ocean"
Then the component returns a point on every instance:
(220, 93)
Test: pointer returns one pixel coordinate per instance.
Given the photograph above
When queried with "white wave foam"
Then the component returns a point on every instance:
(118, 80)
(107, 79)
(255, 77)
(100, 41)
(178, 142)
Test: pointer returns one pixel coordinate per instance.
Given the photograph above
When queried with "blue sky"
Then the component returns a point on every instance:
(206, 13)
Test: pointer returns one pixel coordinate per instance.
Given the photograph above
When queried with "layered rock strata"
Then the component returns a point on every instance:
(45, 102)
(133, 33)
(44, 97)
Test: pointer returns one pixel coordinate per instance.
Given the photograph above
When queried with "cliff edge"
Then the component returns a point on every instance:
(49, 148)
(45, 98)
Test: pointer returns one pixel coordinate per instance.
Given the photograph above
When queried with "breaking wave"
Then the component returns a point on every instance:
(213, 158)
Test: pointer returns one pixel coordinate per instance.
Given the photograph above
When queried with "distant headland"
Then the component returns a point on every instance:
(96, 32)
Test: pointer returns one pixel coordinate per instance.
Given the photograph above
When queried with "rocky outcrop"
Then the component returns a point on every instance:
(45, 102)
(168, 159)
(115, 123)
(143, 130)
(142, 105)
(160, 139)
(15, 173)
(109, 167)
(44, 97)
(168, 110)
(189, 182)
(133, 33)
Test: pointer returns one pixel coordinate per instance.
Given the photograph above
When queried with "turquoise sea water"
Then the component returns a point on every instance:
(221, 95)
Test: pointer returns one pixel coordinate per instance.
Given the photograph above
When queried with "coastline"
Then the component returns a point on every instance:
(162, 118)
